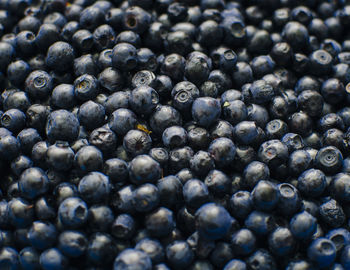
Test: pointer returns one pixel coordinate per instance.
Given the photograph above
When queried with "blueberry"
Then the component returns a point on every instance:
(160, 222)
(72, 243)
(86, 87)
(331, 213)
(201, 163)
(144, 99)
(243, 242)
(94, 187)
(213, 221)
(329, 159)
(100, 218)
(273, 153)
(255, 171)
(260, 223)
(62, 125)
(123, 227)
(195, 193)
(7, 54)
(53, 259)
(111, 79)
(14, 120)
(322, 252)
(116, 101)
(116, 170)
(63, 97)
(281, 242)
(170, 191)
(104, 139)
(9, 258)
(29, 258)
(261, 259)
(28, 138)
(42, 235)
(72, 212)
(20, 212)
(235, 265)
(223, 151)
(124, 56)
(33, 182)
(265, 196)
(60, 156)
(180, 158)
(136, 142)
(88, 158)
(20, 164)
(133, 259)
(145, 198)
(143, 169)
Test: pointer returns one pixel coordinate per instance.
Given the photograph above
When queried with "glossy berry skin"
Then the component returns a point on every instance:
(195, 193)
(53, 259)
(72, 243)
(60, 156)
(241, 204)
(218, 183)
(289, 199)
(62, 96)
(72, 212)
(20, 164)
(160, 222)
(144, 169)
(281, 242)
(223, 151)
(254, 172)
(33, 182)
(206, 111)
(322, 252)
(235, 265)
(174, 136)
(261, 259)
(260, 223)
(312, 182)
(243, 242)
(265, 195)
(62, 125)
(116, 170)
(339, 186)
(14, 120)
(124, 56)
(42, 235)
(179, 254)
(134, 259)
(303, 225)
(152, 248)
(170, 191)
(86, 87)
(273, 153)
(91, 115)
(88, 159)
(94, 187)
(29, 258)
(340, 238)
(145, 198)
(9, 258)
(60, 55)
(329, 159)
(143, 99)
(212, 221)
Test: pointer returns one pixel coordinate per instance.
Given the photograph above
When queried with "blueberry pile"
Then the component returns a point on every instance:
(175, 134)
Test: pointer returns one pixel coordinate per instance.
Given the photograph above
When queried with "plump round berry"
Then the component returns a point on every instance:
(213, 221)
